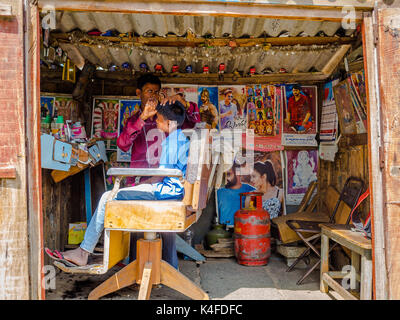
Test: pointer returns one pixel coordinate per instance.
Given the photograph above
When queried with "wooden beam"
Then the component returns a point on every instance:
(335, 60)
(175, 41)
(200, 78)
(217, 8)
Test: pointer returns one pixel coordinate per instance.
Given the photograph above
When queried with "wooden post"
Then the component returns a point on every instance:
(388, 57)
(374, 159)
(324, 262)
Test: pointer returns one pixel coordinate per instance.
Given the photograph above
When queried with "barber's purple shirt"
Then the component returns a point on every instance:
(134, 135)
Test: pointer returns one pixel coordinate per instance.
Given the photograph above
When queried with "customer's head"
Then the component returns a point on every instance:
(170, 116)
(262, 175)
(148, 87)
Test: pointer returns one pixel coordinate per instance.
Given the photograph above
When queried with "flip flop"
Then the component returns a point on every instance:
(57, 255)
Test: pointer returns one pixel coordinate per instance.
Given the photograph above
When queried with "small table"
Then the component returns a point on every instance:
(359, 246)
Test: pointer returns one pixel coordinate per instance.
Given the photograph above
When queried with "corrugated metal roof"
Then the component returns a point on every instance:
(161, 24)
(236, 27)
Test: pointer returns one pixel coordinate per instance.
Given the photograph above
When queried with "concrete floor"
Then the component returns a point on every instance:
(222, 279)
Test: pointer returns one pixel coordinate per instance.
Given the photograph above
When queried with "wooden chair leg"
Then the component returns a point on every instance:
(177, 281)
(122, 279)
(145, 284)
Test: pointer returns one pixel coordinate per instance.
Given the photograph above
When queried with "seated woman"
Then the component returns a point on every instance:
(174, 154)
(263, 178)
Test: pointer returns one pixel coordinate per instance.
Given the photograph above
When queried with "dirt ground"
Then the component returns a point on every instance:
(221, 278)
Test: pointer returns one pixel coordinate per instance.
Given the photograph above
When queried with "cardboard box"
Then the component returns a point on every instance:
(76, 232)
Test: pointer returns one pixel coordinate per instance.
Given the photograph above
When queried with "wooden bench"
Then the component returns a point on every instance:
(359, 247)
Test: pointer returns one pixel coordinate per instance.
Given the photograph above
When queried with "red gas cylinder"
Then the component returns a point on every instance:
(252, 232)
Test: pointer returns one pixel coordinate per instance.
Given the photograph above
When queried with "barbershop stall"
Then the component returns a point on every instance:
(287, 97)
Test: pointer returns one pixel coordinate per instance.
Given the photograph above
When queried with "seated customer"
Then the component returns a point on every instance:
(174, 153)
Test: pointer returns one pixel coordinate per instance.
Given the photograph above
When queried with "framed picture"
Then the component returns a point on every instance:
(344, 107)
(208, 107)
(128, 108)
(232, 107)
(300, 115)
(301, 170)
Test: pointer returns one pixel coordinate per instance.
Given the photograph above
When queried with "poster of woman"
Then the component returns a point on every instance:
(300, 115)
(302, 168)
(266, 177)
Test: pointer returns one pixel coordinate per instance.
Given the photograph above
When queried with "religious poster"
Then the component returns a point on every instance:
(301, 170)
(232, 104)
(66, 107)
(105, 120)
(208, 107)
(264, 110)
(265, 175)
(46, 106)
(329, 117)
(128, 108)
(300, 115)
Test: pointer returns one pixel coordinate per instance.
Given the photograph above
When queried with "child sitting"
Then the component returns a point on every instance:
(174, 153)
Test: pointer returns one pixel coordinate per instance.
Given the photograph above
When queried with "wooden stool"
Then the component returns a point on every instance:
(146, 270)
(359, 246)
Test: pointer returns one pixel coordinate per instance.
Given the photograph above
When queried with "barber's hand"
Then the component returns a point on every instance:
(149, 109)
(172, 99)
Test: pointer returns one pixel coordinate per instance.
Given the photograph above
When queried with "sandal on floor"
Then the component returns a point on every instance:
(57, 255)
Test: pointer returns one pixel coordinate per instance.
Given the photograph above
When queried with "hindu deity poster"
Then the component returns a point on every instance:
(65, 107)
(128, 108)
(232, 104)
(208, 107)
(264, 110)
(46, 106)
(301, 170)
(105, 120)
(300, 115)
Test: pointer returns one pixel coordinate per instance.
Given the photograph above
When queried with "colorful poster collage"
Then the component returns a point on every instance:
(264, 109)
(59, 105)
(108, 118)
(351, 104)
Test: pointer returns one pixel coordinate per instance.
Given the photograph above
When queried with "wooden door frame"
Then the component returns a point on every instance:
(32, 126)
(322, 10)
